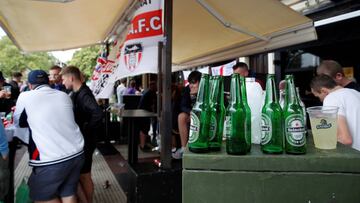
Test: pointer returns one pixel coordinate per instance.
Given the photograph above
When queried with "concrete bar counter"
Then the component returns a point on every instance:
(318, 176)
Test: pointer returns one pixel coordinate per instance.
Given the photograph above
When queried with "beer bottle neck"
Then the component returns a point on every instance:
(298, 95)
(217, 91)
(243, 90)
(203, 90)
(221, 91)
(270, 90)
(235, 89)
(290, 95)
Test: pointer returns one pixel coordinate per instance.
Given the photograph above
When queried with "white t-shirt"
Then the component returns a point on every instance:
(120, 90)
(348, 101)
(54, 137)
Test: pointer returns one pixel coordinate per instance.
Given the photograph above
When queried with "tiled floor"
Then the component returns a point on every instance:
(100, 173)
(112, 168)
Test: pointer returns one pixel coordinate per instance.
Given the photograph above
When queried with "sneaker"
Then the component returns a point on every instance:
(154, 142)
(178, 154)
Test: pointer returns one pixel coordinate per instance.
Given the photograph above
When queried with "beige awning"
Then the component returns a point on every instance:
(47, 26)
(199, 37)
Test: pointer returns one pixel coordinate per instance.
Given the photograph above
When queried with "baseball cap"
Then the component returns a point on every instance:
(38, 77)
(1, 77)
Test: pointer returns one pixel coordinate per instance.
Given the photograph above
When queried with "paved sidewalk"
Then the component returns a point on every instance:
(100, 173)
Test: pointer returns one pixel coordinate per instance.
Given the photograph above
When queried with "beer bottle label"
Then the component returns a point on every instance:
(266, 129)
(213, 126)
(295, 130)
(227, 126)
(194, 128)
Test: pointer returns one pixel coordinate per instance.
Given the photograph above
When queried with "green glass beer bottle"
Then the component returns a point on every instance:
(247, 113)
(217, 113)
(302, 107)
(272, 134)
(199, 118)
(235, 120)
(295, 140)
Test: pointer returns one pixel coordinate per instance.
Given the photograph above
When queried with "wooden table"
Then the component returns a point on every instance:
(133, 132)
(318, 176)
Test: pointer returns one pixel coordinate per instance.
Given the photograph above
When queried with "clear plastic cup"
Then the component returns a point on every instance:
(7, 89)
(323, 120)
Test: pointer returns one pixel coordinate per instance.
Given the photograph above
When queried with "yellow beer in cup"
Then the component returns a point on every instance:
(323, 120)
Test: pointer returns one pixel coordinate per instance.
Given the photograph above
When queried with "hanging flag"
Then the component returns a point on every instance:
(186, 74)
(100, 62)
(102, 81)
(139, 52)
(224, 70)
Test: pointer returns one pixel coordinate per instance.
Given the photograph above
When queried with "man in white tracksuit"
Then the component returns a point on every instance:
(55, 144)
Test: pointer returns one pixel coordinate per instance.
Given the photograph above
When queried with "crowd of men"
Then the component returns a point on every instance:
(62, 128)
(334, 89)
(63, 118)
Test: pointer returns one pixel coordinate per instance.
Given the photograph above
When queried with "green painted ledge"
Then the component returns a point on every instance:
(344, 159)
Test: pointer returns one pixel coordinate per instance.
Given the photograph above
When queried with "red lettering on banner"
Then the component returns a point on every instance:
(147, 24)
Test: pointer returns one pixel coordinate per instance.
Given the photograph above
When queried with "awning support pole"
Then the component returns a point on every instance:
(227, 24)
(166, 114)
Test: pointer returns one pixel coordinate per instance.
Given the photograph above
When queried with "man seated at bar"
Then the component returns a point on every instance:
(188, 99)
(336, 72)
(348, 101)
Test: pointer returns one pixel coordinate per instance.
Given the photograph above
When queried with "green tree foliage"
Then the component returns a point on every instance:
(85, 59)
(12, 60)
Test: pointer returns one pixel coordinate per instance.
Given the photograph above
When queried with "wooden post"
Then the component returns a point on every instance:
(166, 114)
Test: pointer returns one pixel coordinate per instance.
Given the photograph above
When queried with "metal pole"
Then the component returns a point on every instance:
(159, 83)
(166, 113)
(228, 24)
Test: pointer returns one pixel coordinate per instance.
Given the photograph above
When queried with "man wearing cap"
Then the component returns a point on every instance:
(55, 143)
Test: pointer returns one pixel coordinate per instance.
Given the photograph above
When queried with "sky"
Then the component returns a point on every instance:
(63, 56)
